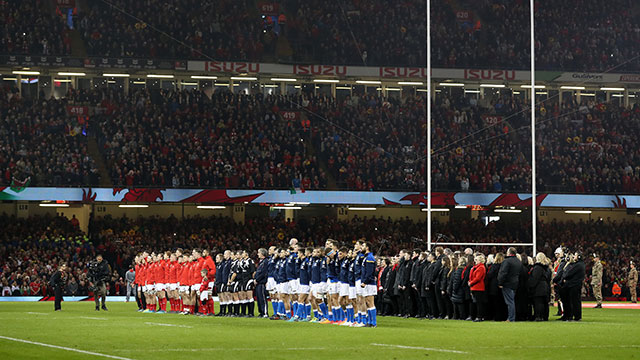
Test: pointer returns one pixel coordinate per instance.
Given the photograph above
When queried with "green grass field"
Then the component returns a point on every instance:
(123, 333)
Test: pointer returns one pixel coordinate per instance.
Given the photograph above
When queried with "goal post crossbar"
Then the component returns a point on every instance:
(479, 244)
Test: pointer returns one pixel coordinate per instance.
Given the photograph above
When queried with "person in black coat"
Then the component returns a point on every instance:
(261, 283)
(428, 290)
(413, 288)
(439, 309)
(470, 310)
(496, 309)
(538, 286)
(445, 281)
(456, 290)
(522, 296)
(57, 282)
(572, 280)
(508, 279)
(416, 284)
(391, 300)
(561, 293)
(402, 282)
(380, 299)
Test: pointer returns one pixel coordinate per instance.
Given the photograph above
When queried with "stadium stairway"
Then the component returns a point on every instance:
(96, 155)
(75, 37)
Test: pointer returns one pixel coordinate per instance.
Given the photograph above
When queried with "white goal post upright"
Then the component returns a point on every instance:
(533, 140)
(533, 130)
(429, 97)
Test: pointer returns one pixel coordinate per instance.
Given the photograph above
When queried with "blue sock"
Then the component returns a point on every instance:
(374, 314)
(308, 310)
(282, 309)
(274, 305)
(363, 318)
(350, 315)
(295, 308)
(315, 314)
(369, 316)
(325, 310)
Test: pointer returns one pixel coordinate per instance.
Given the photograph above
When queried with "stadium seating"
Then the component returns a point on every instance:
(594, 36)
(29, 27)
(40, 145)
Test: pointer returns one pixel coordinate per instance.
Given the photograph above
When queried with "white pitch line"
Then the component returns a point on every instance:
(171, 325)
(91, 318)
(227, 349)
(64, 348)
(36, 313)
(421, 348)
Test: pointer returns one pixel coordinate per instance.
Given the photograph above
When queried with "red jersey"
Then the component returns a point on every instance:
(185, 279)
(210, 265)
(172, 276)
(161, 277)
(204, 283)
(196, 266)
(151, 276)
(138, 274)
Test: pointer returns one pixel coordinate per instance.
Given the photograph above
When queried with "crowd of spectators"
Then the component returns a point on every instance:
(192, 29)
(28, 27)
(588, 36)
(582, 147)
(350, 32)
(591, 36)
(373, 143)
(41, 144)
(473, 147)
(200, 139)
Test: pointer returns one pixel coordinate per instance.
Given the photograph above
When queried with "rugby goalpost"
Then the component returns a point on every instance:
(533, 141)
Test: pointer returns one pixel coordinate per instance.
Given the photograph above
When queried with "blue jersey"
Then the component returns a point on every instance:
(358, 268)
(305, 271)
(343, 276)
(369, 270)
(323, 269)
(271, 266)
(352, 275)
(333, 269)
(292, 267)
(281, 272)
(315, 270)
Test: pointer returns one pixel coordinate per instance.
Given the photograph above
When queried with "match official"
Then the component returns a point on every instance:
(57, 281)
(261, 283)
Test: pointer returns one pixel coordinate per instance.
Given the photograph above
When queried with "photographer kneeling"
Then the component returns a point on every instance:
(99, 272)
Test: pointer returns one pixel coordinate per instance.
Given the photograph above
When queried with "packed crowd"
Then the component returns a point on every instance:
(29, 28)
(184, 139)
(584, 147)
(41, 144)
(594, 36)
(221, 30)
(349, 32)
(473, 154)
(372, 143)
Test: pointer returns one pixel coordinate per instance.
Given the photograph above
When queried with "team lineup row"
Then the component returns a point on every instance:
(337, 284)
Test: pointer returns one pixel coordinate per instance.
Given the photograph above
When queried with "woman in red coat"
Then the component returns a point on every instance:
(476, 283)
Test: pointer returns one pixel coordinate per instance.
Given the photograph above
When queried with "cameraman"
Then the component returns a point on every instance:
(99, 274)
